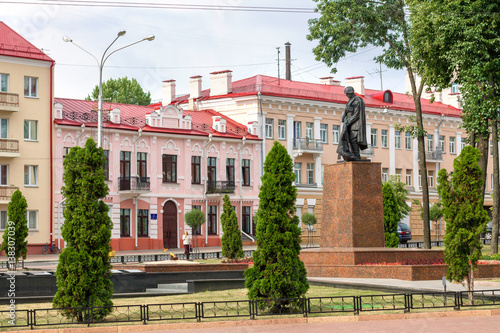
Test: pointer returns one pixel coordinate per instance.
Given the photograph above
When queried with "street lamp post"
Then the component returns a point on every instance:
(100, 64)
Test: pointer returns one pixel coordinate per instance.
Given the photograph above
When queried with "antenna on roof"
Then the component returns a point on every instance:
(278, 48)
(378, 71)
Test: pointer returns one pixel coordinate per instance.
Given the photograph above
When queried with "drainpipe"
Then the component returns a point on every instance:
(263, 142)
(51, 194)
(135, 198)
(244, 141)
(61, 220)
(205, 153)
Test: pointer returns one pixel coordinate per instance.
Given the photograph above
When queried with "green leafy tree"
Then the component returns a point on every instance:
(232, 246)
(463, 211)
(435, 214)
(14, 242)
(459, 42)
(391, 216)
(277, 271)
(309, 219)
(400, 195)
(84, 270)
(195, 219)
(346, 26)
(121, 90)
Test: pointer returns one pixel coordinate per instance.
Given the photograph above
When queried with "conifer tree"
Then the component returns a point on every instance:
(277, 271)
(14, 242)
(84, 271)
(465, 216)
(391, 216)
(232, 246)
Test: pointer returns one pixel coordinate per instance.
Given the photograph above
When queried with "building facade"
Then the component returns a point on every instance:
(161, 163)
(26, 95)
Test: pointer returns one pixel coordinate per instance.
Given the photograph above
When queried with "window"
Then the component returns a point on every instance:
(169, 168)
(32, 217)
(269, 128)
(384, 138)
(197, 231)
(142, 164)
(106, 164)
(282, 129)
(246, 223)
(30, 130)
(4, 174)
(420, 179)
(408, 177)
(385, 174)
(430, 178)
(3, 220)
(322, 174)
(310, 173)
(4, 82)
(441, 143)
(142, 222)
(387, 97)
(374, 137)
(398, 174)
(491, 148)
(309, 131)
(212, 220)
(66, 151)
(4, 128)
(230, 170)
(335, 134)
(430, 142)
(125, 170)
(452, 145)
(454, 88)
(323, 132)
(492, 182)
(397, 141)
(196, 170)
(297, 130)
(124, 222)
(463, 143)
(408, 140)
(297, 170)
(245, 171)
(212, 169)
(30, 86)
(30, 175)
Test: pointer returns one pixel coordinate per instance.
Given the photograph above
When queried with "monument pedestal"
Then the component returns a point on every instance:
(352, 230)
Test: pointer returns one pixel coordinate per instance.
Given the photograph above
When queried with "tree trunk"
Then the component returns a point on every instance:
(470, 285)
(482, 145)
(496, 196)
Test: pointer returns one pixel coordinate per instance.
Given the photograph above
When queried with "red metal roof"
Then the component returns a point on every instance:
(272, 86)
(14, 45)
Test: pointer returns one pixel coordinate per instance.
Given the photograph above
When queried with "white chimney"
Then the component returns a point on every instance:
(221, 83)
(195, 87)
(329, 81)
(219, 124)
(168, 92)
(357, 82)
(114, 115)
(253, 127)
(58, 110)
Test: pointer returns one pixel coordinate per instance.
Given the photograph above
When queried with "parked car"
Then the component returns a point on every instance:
(486, 234)
(404, 232)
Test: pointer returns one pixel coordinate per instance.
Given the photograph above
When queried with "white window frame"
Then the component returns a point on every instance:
(441, 144)
(491, 147)
(3, 219)
(383, 139)
(310, 131)
(455, 88)
(430, 178)
(28, 80)
(408, 177)
(335, 134)
(374, 137)
(492, 181)
(397, 139)
(32, 126)
(269, 128)
(281, 129)
(310, 173)
(385, 174)
(463, 143)
(408, 140)
(452, 145)
(29, 171)
(297, 170)
(399, 172)
(4, 78)
(4, 134)
(34, 214)
(430, 142)
(323, 132)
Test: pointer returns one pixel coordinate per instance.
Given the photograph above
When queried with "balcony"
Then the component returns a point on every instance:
(434, 156)
(134, 185)
(6, 192)
(9, 148)
(9, 102)
(308, 185)
(220, 187)
(307, 144)
(368, 152)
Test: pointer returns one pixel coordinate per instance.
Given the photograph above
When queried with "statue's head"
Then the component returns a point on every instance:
(349, 91)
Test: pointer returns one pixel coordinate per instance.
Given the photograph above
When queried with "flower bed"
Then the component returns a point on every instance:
(418, 262)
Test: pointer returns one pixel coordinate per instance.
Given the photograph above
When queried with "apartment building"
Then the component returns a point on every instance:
(306, 118)
(26, 94)
(162, 162)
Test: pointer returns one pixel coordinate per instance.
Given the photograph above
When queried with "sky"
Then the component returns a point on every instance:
(188, 42)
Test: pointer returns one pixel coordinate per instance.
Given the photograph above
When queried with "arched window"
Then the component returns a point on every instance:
(387, 97)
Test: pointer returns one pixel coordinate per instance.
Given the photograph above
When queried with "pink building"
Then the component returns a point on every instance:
(162, 162)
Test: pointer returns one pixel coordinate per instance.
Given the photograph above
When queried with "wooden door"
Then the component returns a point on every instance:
(169, 225)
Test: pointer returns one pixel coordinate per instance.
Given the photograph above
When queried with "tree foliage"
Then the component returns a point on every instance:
(309, 219)
(84, 271)
(232, 246)
(278, 271)
(195, 219)
(400, 196)
(347, 26)
(121, 90)
(463, 211)
(14, 242)
(391, 216)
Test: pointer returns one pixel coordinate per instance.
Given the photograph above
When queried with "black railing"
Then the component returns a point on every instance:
(220, 187)
(134, 183)
(247, 308)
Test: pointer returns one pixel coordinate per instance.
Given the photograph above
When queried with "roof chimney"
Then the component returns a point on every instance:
(194, 91)
(221, 83)
(357, 82)
(288, 61)
(329, 81)
(168, 92)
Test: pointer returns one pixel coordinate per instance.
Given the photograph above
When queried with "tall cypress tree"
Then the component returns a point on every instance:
(84, 271)
(391, 216)
(232, 246)
(277, 271)
(14, 242)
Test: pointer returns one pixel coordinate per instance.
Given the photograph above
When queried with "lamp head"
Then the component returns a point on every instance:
(121, 33)
(149, 38)
(67, 39)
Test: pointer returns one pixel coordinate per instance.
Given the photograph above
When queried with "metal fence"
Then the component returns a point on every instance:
(249, 309)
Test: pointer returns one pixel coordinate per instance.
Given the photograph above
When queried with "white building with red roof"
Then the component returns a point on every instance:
(162, 162)
(306, 118)
(26, 95)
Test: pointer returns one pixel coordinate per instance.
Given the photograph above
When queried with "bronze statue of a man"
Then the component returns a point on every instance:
(353, 136)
